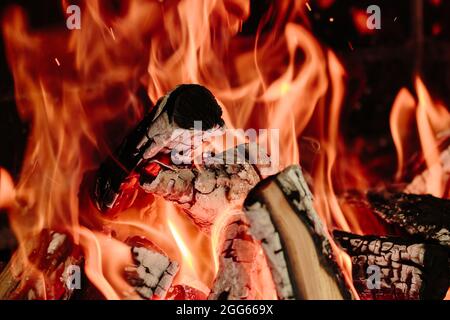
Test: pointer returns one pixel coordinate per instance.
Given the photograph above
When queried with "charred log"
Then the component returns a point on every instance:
(283, 218)
(41, 269)
(402, 269)
(205, 190)
(422, 215)
(175, 112)
(143, 161)
(237, 263)
(153, 272)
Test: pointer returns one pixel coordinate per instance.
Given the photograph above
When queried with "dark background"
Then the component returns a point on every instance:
(414, 39)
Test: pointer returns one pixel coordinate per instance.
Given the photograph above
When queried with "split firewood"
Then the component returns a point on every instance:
(237, 263)
(41, 269)
(282, 217)
(153, 272)
(206, 190)
(422, 215)
(393, 268)
(159, 132)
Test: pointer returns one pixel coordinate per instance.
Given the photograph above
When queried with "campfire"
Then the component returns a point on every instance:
(193, 150)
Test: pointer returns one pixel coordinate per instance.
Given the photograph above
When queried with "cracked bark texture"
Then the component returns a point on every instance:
(206, 190)
(39, 271)
(422, 215)
(407, 270)
(283, 218)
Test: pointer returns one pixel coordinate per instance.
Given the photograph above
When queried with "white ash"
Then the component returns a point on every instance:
(153, 273)
(204, 191)
(237, 263)
(57, 240)
(419, 184)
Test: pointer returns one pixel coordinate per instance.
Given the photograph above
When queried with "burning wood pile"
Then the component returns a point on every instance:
(166, 199)
(277, 216)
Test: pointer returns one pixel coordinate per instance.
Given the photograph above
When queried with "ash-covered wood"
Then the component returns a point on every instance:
(153, 272)
(263, 229)
(419, 183)
(392, 268)
(205, 190)
(283, 218)
(42, 269)
(422, 215)
(237, 263)
(157, 133)
(158, 157)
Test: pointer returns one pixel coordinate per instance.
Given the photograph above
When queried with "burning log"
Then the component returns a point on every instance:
(423, 215)
(219, 182)
(405, 269)
(205, 190)
(283, 218)
(237, 263)
(42, 269)
(153, 273)
(157, 133)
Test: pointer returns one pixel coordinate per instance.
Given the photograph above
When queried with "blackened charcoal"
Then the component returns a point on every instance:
(408, 270)
(423, 215)
(192, 102)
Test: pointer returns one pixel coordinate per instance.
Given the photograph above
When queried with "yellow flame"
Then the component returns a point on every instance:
(185, 252)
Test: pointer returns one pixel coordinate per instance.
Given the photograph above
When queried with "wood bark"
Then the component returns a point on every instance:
(283, 218)
(206, 190)
(421, 215)
(393, 268)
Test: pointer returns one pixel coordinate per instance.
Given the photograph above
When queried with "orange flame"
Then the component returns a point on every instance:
(401, 114)
(430, 119)
(78, 94)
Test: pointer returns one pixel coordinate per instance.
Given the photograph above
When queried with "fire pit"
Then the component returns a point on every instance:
(225, 150)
